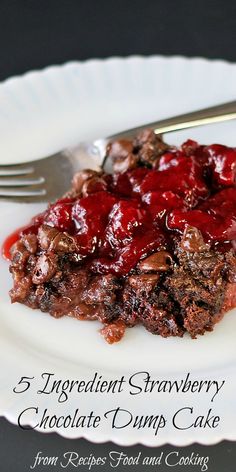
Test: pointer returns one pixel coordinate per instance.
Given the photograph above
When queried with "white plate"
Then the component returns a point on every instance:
(43, 112)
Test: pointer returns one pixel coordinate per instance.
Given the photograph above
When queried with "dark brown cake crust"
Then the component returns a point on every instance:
(187, 294)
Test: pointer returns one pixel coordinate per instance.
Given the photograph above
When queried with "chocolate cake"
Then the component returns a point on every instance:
(152, 243)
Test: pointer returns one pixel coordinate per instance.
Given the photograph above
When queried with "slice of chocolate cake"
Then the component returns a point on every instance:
(153, 243)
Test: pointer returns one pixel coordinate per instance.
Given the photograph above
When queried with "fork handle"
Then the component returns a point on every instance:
(219, 113)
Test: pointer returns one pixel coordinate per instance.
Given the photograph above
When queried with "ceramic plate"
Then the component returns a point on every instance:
(43, 112)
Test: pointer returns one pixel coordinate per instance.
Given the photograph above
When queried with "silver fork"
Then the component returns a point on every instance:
(48, 178)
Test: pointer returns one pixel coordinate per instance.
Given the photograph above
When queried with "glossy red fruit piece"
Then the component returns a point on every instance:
(186, 179)
(136, 177)
(223, 160)
(190, 147)
(223, 203)
(212, 227)
(199, 152)
(128, 257)
(121, 224)
(90, 216)
(161, 202)
(169, 160)
(125, 219)
(59, 216)
(121, 185)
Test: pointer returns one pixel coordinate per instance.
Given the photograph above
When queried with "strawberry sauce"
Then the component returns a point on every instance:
(132, 213)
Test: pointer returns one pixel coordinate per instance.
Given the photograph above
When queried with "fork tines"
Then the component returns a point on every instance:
(17, 181)
(11, 171)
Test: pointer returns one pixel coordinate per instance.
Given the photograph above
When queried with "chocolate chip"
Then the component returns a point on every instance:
(80, 178)
(54, 240)
(121, 152)
(19, 255)
(46, 234)
(145, 282)
(93, 184)
(147, 135)
(150, 146)
(31, 243)
(119, 149)
(192, 240)
(123, 164)
(64, 243)
(157, 262)
(148, 153)
(46, 266)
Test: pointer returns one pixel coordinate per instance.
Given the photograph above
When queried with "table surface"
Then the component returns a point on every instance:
(36, 34)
